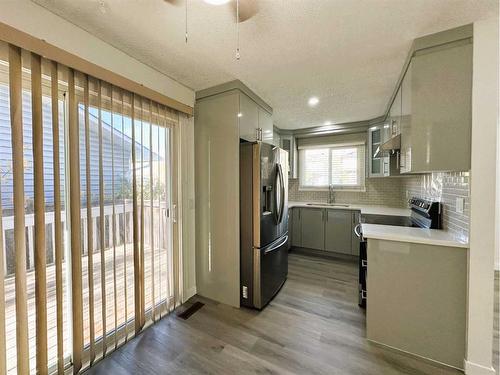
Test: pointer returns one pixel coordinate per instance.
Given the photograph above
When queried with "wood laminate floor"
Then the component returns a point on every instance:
(313, 326)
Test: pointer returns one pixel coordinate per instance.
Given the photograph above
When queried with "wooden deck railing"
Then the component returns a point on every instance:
(118, 258)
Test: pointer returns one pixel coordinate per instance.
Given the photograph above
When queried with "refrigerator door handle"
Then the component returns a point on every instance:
(282, 208)
(281, 192)
(278, 194)
(276, 247)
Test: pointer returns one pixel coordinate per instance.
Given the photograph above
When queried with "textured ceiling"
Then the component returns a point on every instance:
(348, 53)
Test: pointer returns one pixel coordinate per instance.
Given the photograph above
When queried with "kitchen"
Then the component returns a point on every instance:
(386, 196)
(249, 186)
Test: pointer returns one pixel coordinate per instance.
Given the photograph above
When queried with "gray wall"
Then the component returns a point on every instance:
(446, 187)
(379, 191)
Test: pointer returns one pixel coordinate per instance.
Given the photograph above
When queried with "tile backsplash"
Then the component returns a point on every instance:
(395, 192)
(446, 188)
(379, 191)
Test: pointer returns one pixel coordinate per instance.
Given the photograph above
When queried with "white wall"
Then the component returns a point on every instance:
(187, 198)
(40, 23)
(497, 247)
(484, 227)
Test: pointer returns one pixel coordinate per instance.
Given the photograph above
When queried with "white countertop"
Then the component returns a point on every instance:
(364, 208)
(414, 235)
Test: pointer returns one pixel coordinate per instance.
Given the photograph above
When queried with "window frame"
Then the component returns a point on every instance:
(347, 188)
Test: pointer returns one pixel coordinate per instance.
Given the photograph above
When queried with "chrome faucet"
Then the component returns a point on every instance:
(331, 194)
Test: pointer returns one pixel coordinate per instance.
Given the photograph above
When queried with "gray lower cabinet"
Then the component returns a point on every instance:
(313, 228)
(425, 316)
(338, 231)
(296, 227)
(324, 229)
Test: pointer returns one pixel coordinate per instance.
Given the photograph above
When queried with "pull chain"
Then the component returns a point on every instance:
(186, 31)
(237, 29)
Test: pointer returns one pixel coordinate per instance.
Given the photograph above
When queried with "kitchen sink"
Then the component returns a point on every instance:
(328, 204)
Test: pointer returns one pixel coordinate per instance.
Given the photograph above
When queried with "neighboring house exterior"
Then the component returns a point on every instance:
(122, 153)
(119, 141)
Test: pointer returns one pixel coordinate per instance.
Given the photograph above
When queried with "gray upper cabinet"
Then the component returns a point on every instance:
(288, 143)
(395, 115)
(378, 163)
(441, 115)
(248, 118)
(255, 119)
(265, 126)
(338, 231)
(312, 228)
(276, 137)
(405, 152)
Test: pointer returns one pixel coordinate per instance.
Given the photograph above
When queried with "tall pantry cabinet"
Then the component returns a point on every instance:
(223, 115)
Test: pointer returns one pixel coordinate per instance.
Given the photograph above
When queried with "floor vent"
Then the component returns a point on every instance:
(190, 310)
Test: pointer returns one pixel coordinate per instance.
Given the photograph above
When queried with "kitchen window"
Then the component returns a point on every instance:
(342, 166)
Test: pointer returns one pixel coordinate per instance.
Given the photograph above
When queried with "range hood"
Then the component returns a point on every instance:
(393, 143)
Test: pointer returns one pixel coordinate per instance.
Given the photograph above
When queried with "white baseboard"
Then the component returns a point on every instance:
(189, 293)
(475, 369)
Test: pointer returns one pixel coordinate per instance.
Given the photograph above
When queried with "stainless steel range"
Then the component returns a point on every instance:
(425, 214)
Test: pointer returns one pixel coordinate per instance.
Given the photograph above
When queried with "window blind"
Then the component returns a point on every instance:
(341, 166)
(88, 255)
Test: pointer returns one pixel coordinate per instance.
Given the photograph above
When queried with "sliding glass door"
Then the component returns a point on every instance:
(87, 203)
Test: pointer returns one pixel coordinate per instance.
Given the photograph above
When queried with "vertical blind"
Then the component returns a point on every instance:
(88, 252)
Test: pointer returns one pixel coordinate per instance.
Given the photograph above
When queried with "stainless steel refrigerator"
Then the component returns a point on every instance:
(263, 222)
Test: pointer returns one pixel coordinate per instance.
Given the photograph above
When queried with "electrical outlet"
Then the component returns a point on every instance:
(245, 292)
(460, 205)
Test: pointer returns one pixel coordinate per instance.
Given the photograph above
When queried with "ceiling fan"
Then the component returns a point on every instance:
(247, 8)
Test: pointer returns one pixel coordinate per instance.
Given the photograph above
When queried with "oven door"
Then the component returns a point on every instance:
(363, 269)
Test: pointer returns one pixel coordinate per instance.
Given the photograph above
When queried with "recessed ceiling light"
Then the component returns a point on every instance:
(326, 123)
(240, 114)
(313, 101)
(216, 2)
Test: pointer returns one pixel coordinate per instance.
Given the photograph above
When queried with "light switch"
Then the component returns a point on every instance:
(460, 205)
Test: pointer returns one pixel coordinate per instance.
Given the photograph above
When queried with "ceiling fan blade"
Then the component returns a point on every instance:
(248, 9)
(174, 2)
